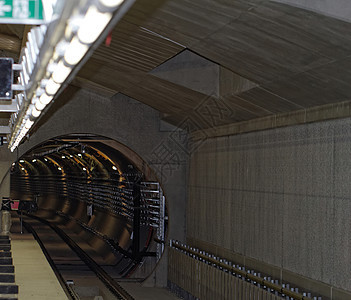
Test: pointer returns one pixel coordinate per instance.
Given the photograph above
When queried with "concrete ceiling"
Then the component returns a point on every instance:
(256, 58)
(271, 57)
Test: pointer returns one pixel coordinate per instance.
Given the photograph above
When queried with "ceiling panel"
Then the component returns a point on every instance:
(137, 48)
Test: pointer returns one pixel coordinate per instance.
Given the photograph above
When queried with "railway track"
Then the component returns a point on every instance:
(68, 260)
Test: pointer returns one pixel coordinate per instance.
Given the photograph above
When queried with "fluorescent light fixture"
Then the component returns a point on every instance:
(45, 159)
(22, 169)
(60, 73)
(21, 161)
(28, 124)
(75, 52)
(80, 155)
(84, 169)
(63, 156)
(93, 24)
(114, 168)
(59, 168)
(35, 112)
(34, 160)
(79, 25)
(52, 87)
(111, 3)
(39, 106)
(45, 99)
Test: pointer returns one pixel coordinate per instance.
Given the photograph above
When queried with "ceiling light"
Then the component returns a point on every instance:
(63, 156)
(111, 3)
(75, 51)
(84, 169)
(114, 167)
(80, 155)
(39, 106)
(28, 124)
(21, 161)
(34, 160)
(93, 24)
(59, 168)
(45, 99)
(52, 87)
(35, 112)
(61, 72)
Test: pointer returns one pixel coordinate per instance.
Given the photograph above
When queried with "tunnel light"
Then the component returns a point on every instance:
(114, 168)
(80, 155)
(75, 52)
(111, 3)
(52, 87)
(93, 24)
(61, 72)
(59, 169)
(13, 164)
(21, 161)
(39, 106)
(28, 124)
(45, 99)
(45, 159)
(71, 156)
(84, 169)
(63, 156)
(35, 112)
(34, 160)
(22, 169)
(78, 26)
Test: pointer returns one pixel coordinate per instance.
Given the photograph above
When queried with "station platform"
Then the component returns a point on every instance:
(33, 274)
(36, 280)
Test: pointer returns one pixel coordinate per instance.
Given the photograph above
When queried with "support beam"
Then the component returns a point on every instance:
(11, 107)
(10, 43)
(5, 130)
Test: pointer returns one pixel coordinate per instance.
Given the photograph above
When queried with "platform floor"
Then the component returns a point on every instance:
(36, 280)
(33, 274)
(138, 292)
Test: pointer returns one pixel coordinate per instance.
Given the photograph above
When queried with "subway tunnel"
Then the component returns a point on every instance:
(189, 149)
(84, 183)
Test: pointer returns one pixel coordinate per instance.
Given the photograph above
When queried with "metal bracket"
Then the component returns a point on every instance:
(17, 67)
(18, 87)
(13, 107)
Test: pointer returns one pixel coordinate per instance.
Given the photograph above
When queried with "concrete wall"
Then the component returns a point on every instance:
(138, 127)
(6, 159)
(279, 196)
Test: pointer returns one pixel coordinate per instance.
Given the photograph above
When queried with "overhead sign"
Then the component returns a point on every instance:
(21, 12)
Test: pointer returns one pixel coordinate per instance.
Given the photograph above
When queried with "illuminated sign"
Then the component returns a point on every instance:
(21, 12)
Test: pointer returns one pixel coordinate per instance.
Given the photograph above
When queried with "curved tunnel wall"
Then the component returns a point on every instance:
(134, 125)
(88, 187)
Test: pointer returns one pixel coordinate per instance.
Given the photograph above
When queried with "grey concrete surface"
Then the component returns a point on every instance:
(145, 293)
(339, 9)
(280, 196)
(192, 71)
(135, 125)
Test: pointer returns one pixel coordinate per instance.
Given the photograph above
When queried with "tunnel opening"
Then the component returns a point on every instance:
(100, 192)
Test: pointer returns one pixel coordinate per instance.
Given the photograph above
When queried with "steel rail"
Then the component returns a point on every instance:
(113, 286)
(69, 293)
